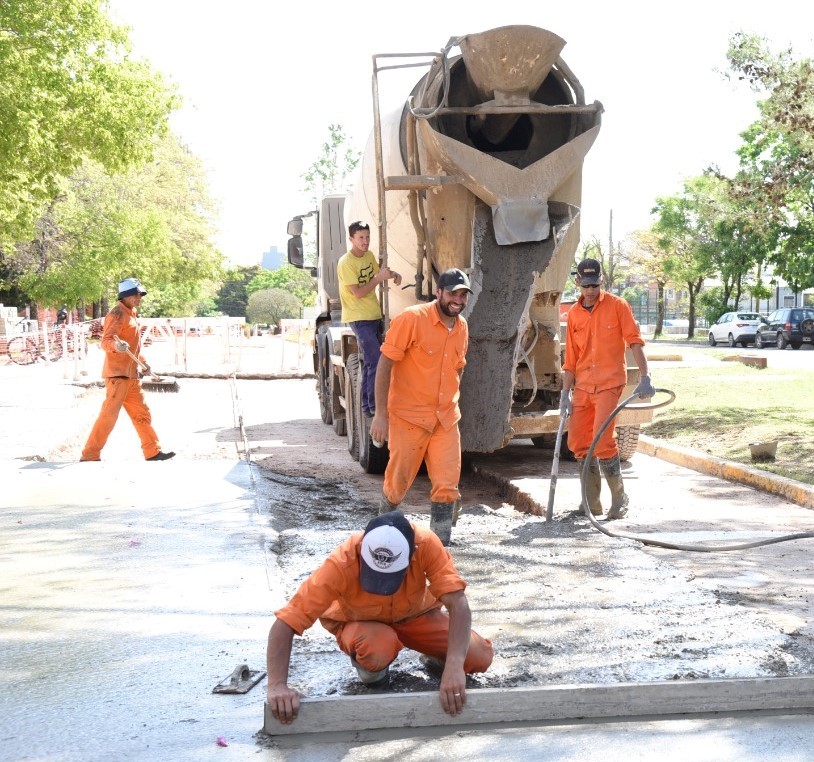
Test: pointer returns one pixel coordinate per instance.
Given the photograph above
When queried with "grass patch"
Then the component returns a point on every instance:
(720, 409)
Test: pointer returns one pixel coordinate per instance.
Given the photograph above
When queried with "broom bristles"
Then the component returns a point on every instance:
(165, 385)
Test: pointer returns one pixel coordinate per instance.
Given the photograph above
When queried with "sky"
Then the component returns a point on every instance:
(261, 82)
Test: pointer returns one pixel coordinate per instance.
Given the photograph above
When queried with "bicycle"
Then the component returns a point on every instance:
(26, 350)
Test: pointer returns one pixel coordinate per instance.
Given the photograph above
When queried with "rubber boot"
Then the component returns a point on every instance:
(380, 679)
(612, 469)
(593, 486)
(441, 521)
(385, 506)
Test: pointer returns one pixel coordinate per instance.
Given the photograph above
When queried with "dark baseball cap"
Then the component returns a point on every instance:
(454, 280)
(589, 271)
(387, 546)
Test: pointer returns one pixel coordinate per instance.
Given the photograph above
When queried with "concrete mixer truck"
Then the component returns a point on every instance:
(481, 169)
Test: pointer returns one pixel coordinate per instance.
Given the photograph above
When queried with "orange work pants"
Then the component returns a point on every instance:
(374, 645)
(122, 393)
(409, 445)
(589, 411)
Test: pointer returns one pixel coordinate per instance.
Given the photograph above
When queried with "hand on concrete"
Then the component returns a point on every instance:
(453, 690)
(122, 346)
(378, 428)
(283, 702)
(645, 388)
(565, 402)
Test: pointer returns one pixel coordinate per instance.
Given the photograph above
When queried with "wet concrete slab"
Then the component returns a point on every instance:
(128, 590)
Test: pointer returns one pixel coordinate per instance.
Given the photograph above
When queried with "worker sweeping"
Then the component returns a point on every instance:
(594, 375)
(121, 342)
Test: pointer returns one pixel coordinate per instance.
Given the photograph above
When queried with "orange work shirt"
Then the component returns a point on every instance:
(595, 342)
(121, 322)
(334, 595)
(427, 356)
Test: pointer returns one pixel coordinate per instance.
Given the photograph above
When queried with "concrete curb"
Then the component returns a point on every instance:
(795, 492)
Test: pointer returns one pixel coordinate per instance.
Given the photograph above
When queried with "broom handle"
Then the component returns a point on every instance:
(139, 362)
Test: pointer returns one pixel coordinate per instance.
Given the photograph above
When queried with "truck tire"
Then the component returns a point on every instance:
(324, 371)
(372, 459)
(547, 442)
(339, 420)
(627, 440)
(352, 379)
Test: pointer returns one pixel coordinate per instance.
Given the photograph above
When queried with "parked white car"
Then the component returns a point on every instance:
(735, 328)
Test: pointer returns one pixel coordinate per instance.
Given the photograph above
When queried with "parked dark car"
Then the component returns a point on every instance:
(789, 325)
(734, 328)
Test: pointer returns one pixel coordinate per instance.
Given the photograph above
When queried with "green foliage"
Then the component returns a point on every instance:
(336, 161)
(232, 297)
(152, 221)
(69, 91)
(713, 303)
(272, 305)
(775, 182)
(289, 278)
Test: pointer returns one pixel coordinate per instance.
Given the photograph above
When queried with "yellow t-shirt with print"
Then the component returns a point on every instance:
(353, 270)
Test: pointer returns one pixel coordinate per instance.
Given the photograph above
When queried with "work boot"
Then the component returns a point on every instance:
(612, 469)
(593, 486)
(385, 506)
(380, 679)
(441, 521)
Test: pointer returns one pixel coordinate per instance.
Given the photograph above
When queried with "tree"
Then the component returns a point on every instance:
(69, 91)
(335, 163)
(289, 278)
(232, 298)
(775, 183)
(272, 305)
(648, 256)
(152, 221)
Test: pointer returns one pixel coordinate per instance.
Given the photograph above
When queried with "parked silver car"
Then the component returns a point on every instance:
(735, 328)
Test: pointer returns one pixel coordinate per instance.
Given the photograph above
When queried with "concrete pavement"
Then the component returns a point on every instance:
(129, 589)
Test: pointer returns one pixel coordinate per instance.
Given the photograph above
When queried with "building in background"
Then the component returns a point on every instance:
(272, 259)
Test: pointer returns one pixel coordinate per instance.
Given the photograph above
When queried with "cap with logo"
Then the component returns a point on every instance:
(454, 280)
(387, 547)
(589, 271)
(130, 287)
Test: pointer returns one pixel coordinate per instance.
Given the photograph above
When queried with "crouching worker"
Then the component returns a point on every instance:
(378, 592)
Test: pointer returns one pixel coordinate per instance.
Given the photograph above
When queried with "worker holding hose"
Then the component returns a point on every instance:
(600, 326)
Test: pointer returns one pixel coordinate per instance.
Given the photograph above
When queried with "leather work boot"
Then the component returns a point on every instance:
(612, 469)
(441, 521)
(385, 506)
(593, 486)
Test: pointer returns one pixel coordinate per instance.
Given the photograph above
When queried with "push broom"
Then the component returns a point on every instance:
(156, 383)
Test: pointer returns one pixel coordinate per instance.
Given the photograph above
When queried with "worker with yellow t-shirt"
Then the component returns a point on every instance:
(358, 273)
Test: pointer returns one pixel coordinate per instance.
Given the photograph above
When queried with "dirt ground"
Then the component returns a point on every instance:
(561, 602)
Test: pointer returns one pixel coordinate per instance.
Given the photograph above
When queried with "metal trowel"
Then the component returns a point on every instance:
(242, 680)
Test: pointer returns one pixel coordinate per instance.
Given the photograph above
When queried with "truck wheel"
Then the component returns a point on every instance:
(547, 442)
(339, 422)
(324, 372)
(627, 440)
(352, 380)
(372, 459)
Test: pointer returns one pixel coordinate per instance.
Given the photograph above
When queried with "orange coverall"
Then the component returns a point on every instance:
(422, 402)
(372, 629)
(123, 388)
(595, 353)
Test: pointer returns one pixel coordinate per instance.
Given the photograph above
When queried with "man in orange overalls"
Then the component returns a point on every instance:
(600, 325)
(123, 388)
(380, 591)
(417, 389)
